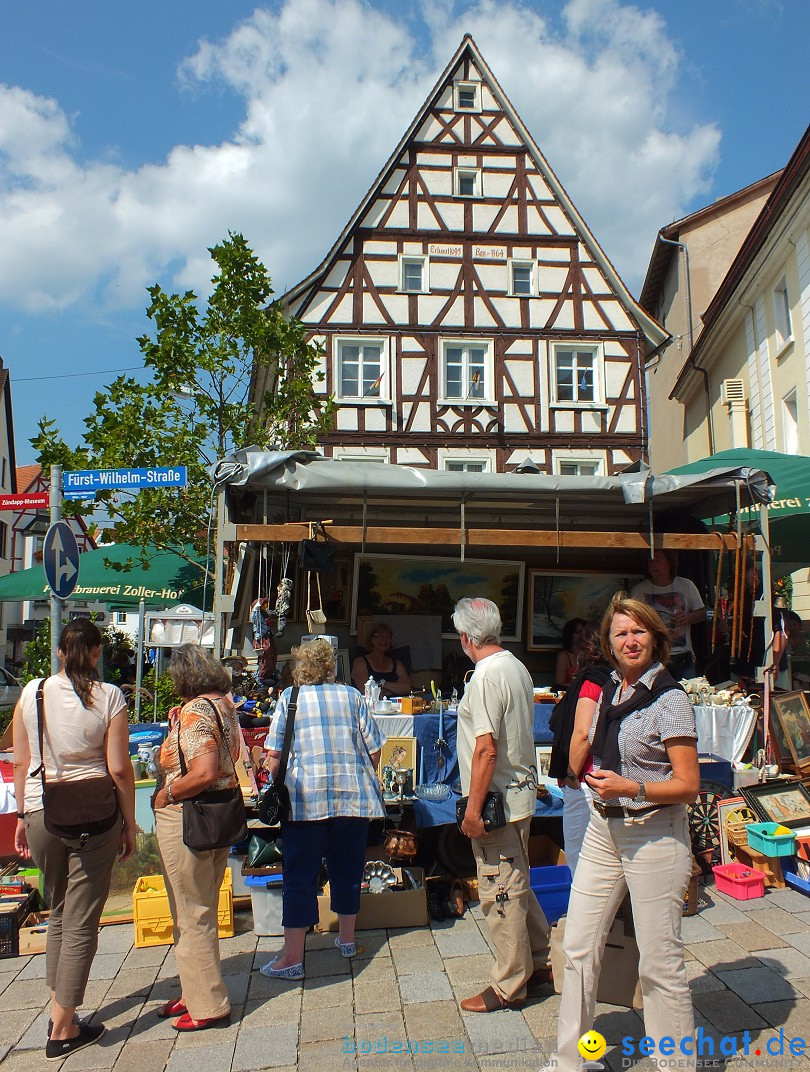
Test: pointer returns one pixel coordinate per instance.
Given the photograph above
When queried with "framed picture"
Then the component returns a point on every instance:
(542, 759)
(393, 584)
(727, 809)
(398, 754)
(793, 715)
(787, 803)
(555, 597)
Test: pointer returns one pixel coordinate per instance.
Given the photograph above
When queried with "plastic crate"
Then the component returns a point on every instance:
(14, 910)
(152, 916)
(798, 883)
(552, 888)
(266, 897)
(738, 881)
(763, 838)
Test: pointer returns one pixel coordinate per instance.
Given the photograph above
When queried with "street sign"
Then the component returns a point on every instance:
(60, 556)
(92, 480)
(37, 501)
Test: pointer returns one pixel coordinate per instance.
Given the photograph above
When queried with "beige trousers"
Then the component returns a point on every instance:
(517, 925)
(193, 880)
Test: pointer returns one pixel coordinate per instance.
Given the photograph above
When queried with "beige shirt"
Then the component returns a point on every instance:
(499, 699)
(75, 736)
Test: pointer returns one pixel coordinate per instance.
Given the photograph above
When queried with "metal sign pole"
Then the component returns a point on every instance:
(139, 668)
(56, 602)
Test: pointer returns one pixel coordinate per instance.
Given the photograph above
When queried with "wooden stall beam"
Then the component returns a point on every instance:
(481, 537)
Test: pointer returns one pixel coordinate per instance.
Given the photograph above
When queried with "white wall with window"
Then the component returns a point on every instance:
(361, 370)
(467, 96)
(467, 371)
(577, 374)
(578, 463)
(414, 275)
(790, 424)
(451, 460)
(783, 328)
(522, 278)
(467, 182)
(361, 454)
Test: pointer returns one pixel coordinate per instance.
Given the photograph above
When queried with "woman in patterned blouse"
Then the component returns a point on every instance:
(205, 727)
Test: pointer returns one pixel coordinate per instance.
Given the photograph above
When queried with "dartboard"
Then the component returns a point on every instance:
(704, 824)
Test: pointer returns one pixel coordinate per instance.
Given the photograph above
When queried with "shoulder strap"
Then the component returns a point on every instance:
(182, 758)
(40, 731)
(292, 707)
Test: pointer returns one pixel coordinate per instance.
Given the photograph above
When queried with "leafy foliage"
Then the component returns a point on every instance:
(232, 374)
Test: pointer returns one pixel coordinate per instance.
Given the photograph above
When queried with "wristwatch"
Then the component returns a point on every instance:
(641, 795)
(170, 795)
(20, 814)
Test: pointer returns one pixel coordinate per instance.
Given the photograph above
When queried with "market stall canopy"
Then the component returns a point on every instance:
(169, 580)
(789, 509)
(354, 493)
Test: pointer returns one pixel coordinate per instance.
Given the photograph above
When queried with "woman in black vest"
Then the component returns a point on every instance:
(644, 744)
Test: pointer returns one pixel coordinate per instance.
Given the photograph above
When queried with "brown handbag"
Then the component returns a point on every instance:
(79, 809)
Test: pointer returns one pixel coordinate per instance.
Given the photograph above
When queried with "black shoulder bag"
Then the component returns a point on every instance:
(214, 818)
(79, 808)
(274, 804)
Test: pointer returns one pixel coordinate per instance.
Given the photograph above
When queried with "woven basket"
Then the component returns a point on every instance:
(737, 827)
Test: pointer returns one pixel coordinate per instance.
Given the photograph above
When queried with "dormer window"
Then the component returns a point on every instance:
(468, 96)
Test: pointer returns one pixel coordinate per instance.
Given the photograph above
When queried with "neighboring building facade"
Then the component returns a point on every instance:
(468, 316)
(688, 263)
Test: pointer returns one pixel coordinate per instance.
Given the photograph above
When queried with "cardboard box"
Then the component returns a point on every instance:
(543, 852)
(34, 934)
(378, 911)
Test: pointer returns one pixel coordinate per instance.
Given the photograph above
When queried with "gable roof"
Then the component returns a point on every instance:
(27, 476)
(653, 332)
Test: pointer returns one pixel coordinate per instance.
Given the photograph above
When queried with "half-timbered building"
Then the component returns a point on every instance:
(468, 316)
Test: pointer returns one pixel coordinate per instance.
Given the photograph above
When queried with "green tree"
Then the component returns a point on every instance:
(216, 378)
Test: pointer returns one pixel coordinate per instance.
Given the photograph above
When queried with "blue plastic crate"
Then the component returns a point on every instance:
(552, 888)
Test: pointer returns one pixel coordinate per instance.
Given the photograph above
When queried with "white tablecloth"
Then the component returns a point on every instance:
(725, 731)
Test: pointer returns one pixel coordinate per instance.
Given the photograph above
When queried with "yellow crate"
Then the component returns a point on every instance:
(153, 920)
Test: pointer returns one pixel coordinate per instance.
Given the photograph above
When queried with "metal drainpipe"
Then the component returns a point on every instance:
(690, 360)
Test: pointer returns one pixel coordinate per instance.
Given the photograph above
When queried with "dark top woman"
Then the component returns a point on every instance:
(643, 740)
(380, 664)
(573, 634)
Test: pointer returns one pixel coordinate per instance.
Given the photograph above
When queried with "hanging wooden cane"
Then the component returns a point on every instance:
(736, 600)
(717, 594)
(741, 619)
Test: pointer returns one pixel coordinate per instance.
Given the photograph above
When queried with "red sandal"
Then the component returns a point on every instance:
(172, 1008)
(188, 1023)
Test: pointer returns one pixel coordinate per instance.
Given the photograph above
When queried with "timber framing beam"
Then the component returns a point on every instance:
(481, 537)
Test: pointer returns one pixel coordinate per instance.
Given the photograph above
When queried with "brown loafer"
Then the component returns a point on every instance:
(489, 1000)
(539, 979)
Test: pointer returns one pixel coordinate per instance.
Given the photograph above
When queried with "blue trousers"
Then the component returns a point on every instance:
(342, 843)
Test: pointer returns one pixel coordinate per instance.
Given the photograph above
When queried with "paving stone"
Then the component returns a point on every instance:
(24, 1061)
(319, 1025)
(697, 929)
(25, 994)
(326, 962)
(799, 940)
(326, 992)
(464, 940)
(615, 1023)
(220, 1036)
(150, 1027)
(724, 954)
(377, 970)
(376, 997)
(262, 988)
(701, 979)
(115, 939)
(34, 969)
(463, 1061)
(499, 1032)
(726, 1011)
(789, 900)
(212, 1057)
(260, 1048)
(102, 1054)
(371, 944)
(397, 939)
(416, 960)
(468, 971)
(144, 1056)
(237, 987)
(146, 957)
(439, 1020)
(376, 1032)
(238, 963)
(133, 981)
(283, 1009)
(719, 912)
(751, 936)
(757, 984)
(793, 1016)
(430, 986)
(34, 1035)
(781, 922)
(790, 962)
(328, 1057)
(106, 965)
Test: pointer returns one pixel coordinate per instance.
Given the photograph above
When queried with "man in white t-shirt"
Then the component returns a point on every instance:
(496, 753)
(680, 605)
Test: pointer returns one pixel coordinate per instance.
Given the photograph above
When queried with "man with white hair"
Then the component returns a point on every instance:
(496, 753)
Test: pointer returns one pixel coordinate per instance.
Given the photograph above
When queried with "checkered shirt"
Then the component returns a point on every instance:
(329, 772)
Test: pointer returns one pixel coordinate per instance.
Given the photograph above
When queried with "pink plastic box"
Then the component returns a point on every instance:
(737, 880)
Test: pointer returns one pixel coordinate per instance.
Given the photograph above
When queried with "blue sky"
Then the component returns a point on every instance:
(132, 138)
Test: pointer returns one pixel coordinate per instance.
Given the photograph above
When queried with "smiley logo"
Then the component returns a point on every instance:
(592, 1046)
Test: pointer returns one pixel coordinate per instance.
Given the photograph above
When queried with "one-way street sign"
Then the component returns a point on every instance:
(60, 557)
(89, 481)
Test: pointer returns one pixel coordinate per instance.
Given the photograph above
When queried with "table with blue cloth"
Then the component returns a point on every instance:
(425, 728)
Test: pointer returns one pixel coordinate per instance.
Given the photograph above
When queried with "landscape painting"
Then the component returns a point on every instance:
(390, 584)
(556, 597)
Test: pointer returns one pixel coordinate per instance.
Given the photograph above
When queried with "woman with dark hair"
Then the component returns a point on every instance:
(206, 730)
(573, 633)
(389, 672)
(644, 743)
(85, 736)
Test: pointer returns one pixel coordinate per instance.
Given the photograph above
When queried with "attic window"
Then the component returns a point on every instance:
(468, 96)
(468, 182)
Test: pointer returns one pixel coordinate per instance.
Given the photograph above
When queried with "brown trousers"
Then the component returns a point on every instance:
(517, 926)
(193, 880)
(77, 883)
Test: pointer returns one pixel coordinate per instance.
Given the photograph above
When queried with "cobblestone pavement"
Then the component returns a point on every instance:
(748, 963)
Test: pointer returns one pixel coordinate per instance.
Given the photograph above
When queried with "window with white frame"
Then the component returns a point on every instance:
(578, 467)
(576, 372)
(468, 96)
(120, 617)
(360, 458)
(466, 371)
(413, 274)
(790, 424)
(467, 182)
(361, 372)
(781, 313)
(521, 278)
(463, 465)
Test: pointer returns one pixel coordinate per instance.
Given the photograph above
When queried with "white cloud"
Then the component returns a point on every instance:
(328, 88)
